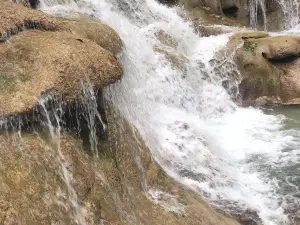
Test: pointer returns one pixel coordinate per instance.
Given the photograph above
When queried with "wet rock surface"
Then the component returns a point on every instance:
(50, 177)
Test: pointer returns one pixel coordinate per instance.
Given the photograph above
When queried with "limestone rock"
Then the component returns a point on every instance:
(36, 62)
(206, 31)
(84, 27)
(15, 17)
(48, 180)
(8, 215)
(58, 57)
(266, 100)
(270, 67)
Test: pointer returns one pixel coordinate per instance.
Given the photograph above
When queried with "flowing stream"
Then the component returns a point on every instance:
(242, 160)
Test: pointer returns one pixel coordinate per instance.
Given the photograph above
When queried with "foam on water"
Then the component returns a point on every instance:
(185, 116)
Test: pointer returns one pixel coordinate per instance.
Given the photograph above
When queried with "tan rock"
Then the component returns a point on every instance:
(235, 13)
(270, 67)
(15, 17)
(206, 31)
(57, 59)
(279, 48)
(110, 188)
(35, 62)
(8, 215)
(239, 37)
(84, 27)
(266, 100)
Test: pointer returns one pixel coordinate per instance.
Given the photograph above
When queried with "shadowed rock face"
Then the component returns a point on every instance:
(270, 70)
(33, 3)
(168, 2)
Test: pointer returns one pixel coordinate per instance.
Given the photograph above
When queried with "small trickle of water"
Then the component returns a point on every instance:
(52, 122)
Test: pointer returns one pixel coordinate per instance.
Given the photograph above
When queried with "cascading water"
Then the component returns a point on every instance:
(290, 10)
(237, 158)
(258, 12)
(257, 9)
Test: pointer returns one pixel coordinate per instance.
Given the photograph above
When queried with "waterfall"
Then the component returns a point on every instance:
(257, 9)
(290, 10)
(258, 12)
(76, 213)
(172, 93)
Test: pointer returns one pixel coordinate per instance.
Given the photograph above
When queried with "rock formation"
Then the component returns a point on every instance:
(270, 67)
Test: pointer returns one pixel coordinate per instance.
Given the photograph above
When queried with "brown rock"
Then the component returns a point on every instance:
(8, 215)
(84, 27)
(270, 67)
(206, 31)
(14, 17)
(236, 12)
(36, 62)
(266, 100)
(110, 188)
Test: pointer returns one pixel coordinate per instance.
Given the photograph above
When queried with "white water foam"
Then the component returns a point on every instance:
(187, 119)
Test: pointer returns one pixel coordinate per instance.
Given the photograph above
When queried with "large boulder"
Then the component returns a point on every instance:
(85, 27)
(58, 57)
(37, 62)
(270, 70)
